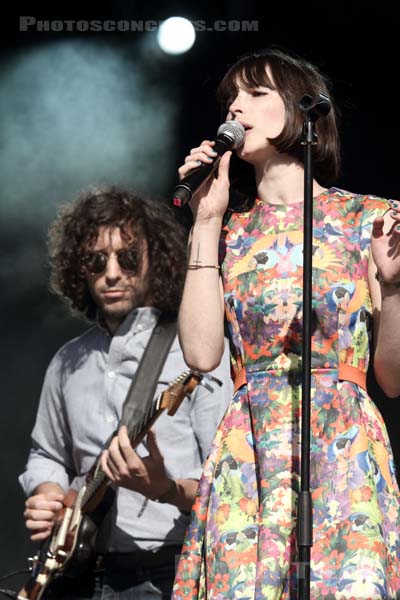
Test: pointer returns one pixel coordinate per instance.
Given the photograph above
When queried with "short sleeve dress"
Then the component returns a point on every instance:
(241, 543)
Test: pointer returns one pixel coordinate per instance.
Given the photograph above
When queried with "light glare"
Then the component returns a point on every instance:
(176, 35)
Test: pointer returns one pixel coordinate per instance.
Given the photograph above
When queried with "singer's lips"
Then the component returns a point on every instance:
(245, 125)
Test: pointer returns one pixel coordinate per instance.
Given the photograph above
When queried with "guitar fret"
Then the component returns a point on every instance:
(92, 487)
(141, 425)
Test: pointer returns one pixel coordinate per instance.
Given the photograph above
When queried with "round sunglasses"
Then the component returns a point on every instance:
(96, 261)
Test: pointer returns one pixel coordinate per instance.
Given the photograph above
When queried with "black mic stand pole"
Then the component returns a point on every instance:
(312, 110)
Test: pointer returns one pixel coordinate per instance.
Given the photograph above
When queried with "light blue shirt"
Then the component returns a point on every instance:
(81, 405)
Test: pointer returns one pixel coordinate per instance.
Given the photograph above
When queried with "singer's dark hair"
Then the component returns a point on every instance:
(145, 223)
(293, 77)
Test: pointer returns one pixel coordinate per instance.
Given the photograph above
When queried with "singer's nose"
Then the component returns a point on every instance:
(235, 108)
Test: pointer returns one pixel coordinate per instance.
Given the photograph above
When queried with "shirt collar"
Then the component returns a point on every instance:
(139, 319)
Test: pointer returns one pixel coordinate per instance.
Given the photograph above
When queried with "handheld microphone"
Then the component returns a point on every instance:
(230, 135)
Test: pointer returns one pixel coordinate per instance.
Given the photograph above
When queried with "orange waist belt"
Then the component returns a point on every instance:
(345, 372)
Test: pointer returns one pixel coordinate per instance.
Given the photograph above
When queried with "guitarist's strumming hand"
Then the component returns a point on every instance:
(126, 469)
(42, 508)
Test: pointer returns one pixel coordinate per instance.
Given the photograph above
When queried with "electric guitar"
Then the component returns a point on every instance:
(70, 549)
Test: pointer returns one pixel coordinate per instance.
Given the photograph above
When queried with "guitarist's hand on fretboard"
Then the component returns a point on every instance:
(126, 469)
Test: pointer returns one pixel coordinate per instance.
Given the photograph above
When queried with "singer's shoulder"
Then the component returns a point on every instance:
(359, 201)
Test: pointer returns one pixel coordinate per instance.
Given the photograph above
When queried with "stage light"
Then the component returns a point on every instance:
(176, 35)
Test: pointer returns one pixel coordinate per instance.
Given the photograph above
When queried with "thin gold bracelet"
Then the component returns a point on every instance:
(384, 283)
(195, 267)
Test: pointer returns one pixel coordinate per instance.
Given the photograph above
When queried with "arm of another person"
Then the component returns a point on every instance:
(201, 314)
(385, 258)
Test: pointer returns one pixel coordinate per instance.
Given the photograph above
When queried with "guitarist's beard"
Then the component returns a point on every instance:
(113, 313)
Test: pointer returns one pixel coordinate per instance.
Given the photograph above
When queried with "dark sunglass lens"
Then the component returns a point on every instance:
(96, 262)
(128, 260)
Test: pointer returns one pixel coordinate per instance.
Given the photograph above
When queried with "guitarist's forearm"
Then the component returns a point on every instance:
(181, 493)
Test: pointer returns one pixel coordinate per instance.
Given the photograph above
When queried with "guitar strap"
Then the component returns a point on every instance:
(138, 403)
(142, 390)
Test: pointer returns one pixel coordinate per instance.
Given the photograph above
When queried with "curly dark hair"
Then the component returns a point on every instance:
(150, 222)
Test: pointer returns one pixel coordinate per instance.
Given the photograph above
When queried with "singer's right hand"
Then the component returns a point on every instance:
(213, 197)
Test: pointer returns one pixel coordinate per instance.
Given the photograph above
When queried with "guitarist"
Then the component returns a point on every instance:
(119, 260)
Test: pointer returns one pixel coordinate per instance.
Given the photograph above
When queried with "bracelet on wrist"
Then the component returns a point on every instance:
(195, 267)
(169, 494)
(384, 283)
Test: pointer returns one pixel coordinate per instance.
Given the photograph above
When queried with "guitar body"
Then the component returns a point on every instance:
(72, 560)
(70, 555)
(82, 553)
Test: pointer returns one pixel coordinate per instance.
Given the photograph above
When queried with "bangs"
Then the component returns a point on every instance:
(249, 73)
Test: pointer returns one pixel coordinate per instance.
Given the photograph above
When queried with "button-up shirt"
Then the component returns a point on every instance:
(80, 408)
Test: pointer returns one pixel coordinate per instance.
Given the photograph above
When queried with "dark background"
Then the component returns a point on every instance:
(72, 114)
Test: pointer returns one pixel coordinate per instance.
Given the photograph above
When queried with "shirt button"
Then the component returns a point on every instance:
(139, 327)
(111, 374)
(110, 419)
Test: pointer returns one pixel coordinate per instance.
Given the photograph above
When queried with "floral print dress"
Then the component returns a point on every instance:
(241, 543)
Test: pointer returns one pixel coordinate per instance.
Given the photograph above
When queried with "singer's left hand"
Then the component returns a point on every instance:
(385, 243)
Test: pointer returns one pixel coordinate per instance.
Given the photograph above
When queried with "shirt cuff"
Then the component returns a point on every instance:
(46, 471)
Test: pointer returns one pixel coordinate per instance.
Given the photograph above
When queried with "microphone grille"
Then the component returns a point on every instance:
(234, 130)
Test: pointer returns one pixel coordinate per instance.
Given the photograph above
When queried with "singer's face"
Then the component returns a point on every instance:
(122, 285)
(261, 111)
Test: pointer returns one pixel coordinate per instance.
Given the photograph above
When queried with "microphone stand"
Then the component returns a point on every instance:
(312, 109)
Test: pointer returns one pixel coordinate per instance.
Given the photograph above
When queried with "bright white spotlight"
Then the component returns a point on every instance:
(176, 35)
